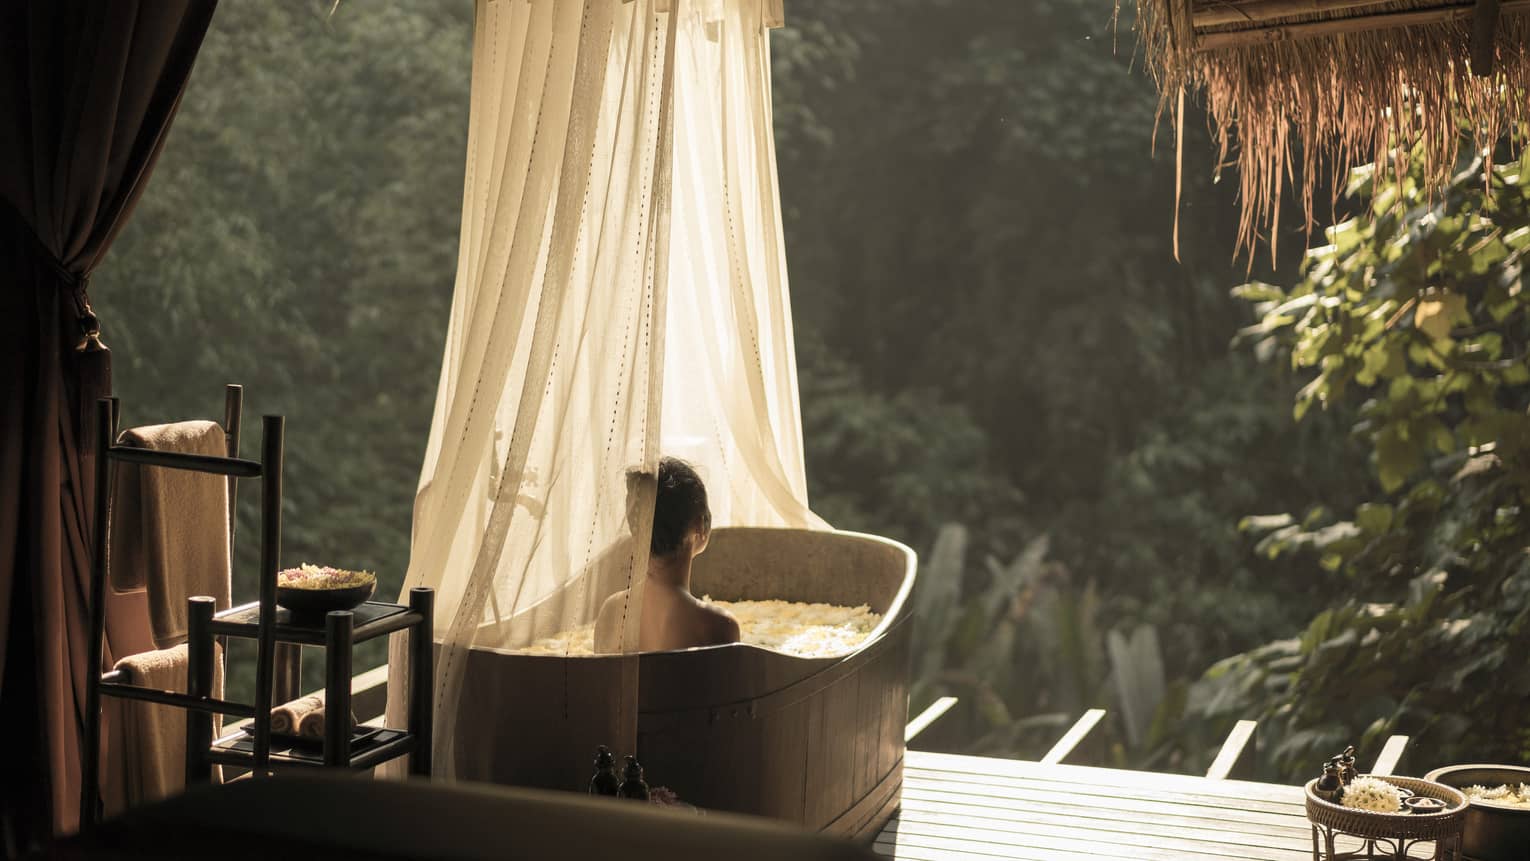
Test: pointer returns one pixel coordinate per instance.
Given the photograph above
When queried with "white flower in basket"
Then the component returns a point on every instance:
(1372, 793)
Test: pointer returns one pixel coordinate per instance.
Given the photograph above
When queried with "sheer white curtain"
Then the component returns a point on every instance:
(620, 295)
(730, 368)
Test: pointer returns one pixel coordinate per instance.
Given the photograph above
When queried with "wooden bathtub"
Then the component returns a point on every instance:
(816, 741)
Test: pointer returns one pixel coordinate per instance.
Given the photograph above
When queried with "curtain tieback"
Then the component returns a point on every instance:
(90, 324)
(89, 340)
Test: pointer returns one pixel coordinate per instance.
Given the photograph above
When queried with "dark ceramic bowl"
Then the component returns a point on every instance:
(1493, 833)
(309, 604)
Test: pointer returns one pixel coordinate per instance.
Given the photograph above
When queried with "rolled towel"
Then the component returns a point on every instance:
(312, 724)
(288, 718)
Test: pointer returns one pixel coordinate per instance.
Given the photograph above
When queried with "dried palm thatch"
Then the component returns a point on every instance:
(1307, 86)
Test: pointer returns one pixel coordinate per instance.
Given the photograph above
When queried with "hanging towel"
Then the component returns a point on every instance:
(147, 742)
(169, 530)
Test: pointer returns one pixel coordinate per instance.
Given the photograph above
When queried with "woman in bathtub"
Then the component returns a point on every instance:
(672, 617)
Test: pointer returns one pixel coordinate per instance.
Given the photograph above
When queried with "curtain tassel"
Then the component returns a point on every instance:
(92, 364)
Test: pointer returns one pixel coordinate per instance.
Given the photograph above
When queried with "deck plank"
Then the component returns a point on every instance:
(965, 808)
(922, 798)
(929, 761)
(1103, 792)
(1024, 846)
(1100, 830)
(917, 809)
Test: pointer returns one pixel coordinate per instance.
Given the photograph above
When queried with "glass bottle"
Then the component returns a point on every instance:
(605, 781)
(1347, 772)
(633, 785)
(1330, 787)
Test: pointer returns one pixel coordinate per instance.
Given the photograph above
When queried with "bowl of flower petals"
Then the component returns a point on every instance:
(310, 591)
(1498, 816)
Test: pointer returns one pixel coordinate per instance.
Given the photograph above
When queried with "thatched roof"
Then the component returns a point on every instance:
(1303, 89)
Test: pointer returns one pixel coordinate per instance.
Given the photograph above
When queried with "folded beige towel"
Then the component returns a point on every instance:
(169, 529)
(303, 717)
(146, 744)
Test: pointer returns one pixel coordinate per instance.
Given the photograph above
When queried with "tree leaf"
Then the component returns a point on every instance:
(1374, 517)
(1436, 315)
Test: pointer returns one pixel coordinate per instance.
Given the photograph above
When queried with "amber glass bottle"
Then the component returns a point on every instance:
(633, 785)
(605, 781)
(1347, 770)
(1330, 787)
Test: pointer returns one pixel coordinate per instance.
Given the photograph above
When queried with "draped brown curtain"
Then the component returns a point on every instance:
(87, 92)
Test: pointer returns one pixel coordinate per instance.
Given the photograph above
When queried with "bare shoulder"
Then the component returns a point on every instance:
(608, 623)
(611, 608)
(723, 627)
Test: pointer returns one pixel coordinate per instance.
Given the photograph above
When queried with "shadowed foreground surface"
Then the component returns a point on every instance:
(347, 818)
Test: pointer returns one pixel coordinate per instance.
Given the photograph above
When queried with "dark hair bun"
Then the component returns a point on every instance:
(680, 506)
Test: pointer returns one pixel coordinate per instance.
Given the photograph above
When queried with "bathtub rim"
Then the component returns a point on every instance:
(896, 609)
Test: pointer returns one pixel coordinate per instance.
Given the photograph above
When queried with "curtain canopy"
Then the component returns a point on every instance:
(621, 295)
(87, 93)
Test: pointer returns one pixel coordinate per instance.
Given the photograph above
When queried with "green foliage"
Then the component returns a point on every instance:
(979, 233)
(299, 236)
(1163, 534)
(895, 464)
(1416, 311)
(1027, 654)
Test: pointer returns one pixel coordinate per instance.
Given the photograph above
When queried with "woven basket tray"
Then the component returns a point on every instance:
(1394, 826)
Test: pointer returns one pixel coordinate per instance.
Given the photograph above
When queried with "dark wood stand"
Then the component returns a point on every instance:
(278, 636)
(338, 633)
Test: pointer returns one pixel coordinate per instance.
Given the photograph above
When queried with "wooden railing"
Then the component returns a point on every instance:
(1234, 761)
(1074, 737)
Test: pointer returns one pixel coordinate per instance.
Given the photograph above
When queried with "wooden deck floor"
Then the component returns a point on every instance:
(966, 807)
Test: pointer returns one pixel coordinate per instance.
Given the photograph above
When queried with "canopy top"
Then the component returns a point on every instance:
(1305, 89)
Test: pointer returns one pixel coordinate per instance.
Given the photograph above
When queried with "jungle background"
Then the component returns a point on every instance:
(1094, 448)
